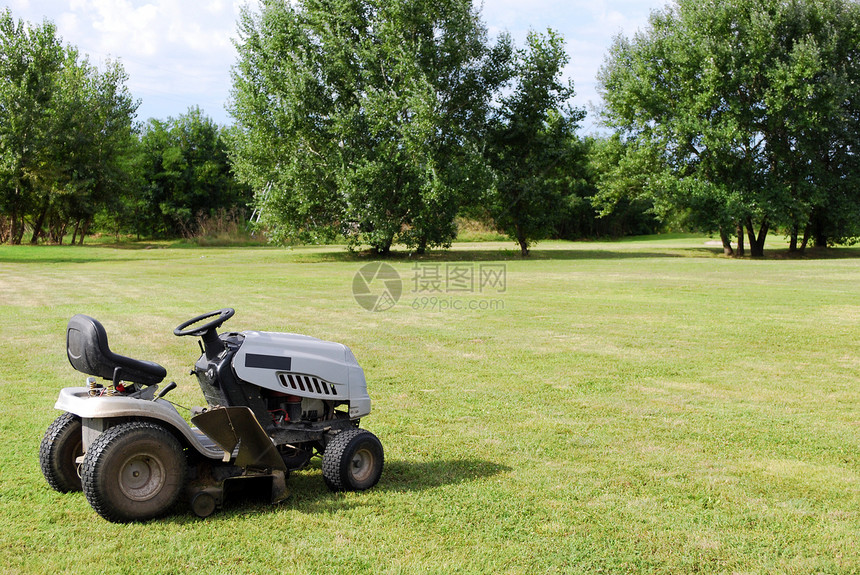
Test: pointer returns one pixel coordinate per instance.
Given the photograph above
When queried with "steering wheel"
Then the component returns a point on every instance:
(223, 315)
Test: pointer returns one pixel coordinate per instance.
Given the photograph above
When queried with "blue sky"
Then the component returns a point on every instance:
(178, 53)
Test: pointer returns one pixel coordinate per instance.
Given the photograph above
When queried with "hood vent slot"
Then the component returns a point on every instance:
(307, 384)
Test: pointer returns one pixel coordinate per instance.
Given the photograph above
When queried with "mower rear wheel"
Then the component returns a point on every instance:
(133, 472)
(60, 448)
(352, 461)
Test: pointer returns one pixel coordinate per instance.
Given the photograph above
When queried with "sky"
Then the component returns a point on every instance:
(178, 53)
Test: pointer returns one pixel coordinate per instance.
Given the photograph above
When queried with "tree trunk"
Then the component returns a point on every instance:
(819, 240)
(751, 237)
(13, 226)
(384, 248)
(17, 227)
(84, 229)
(741, 251)
(421, 249)
(757, 243)
(727, 242)
(792, 244)
(19, 234)
(523, 241)
(40, 221)
(61, 231)
(817, 230)
(806, 235)
(57, 229)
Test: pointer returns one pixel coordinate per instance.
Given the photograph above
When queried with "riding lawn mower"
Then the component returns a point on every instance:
(274, 401)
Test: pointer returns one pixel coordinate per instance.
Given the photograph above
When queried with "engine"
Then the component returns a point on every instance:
(302, 378)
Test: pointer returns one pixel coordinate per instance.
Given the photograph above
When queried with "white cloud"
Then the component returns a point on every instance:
(122, 28)
(179, 53)
(18, 5)
(587, 27)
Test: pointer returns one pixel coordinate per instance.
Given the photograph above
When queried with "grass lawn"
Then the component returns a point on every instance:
(645, 406)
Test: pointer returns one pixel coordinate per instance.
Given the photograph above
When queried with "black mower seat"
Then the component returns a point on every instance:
(88, 351)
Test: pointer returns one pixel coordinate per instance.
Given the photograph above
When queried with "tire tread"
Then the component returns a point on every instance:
(332, 463)
(91, 470)
(48, 456)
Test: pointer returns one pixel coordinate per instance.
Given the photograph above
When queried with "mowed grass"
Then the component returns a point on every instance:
(628, 407)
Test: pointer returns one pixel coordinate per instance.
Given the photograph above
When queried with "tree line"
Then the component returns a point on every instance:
(382, 121)
(72, 157)
(413, 159)
(64, 128)
(742, 115)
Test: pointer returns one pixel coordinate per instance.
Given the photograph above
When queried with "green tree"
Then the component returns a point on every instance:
(65, 132)
(744, 111)
(612, 202)
(187, 174)
(359, 117)
(94, 140)
(531, 143)
(30, 59)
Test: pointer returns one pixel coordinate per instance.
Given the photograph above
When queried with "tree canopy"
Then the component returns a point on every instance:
(66, 130)
(531, 143)
(185, 175)
(744, 113)
(381, 121)
(359, 115)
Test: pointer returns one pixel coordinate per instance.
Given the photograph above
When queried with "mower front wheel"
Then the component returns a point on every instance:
(133, 472)
(352, 461)
(58, 453)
